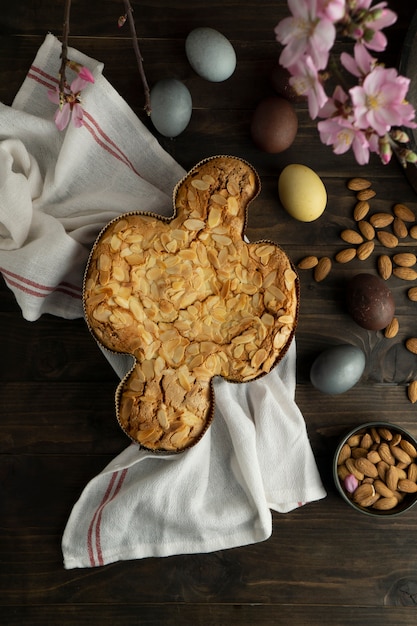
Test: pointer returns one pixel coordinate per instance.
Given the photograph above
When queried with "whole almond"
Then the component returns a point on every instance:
(412, 294)
(385, 504)
(366, 229)
(383, 468)
(358, 453)
(407, 486)
(391, 330)
(412, 472)
(409, 448)
(346, 255)
(384, 266)
(366, 441)
(385, 433)
(345, 453)
(412, 391)
(405, 259)
(381, 488)
(411, 345)
(373, 456)
(375, 435)
(391, 478)
(351, 465)
(385, 453)
(405, 273)
(380, 220)
(361, 210)
(399, 228)
(308, 262)
(363, 493)
(366, 194)
(354, 440)
(401, 455)
(367, 468)
(342, 472)
(351, 236)
(389, 240)
(322, 269)
(358, 184)
(413, 232)
(365, 250)
(403, 212)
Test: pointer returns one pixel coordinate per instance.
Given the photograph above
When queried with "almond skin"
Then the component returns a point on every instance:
(365, 250)
(399, 228)
(366, 194)
(385, 504)
(403, 212)
(411, 345)
(351, 236)
(366, 229)
(346, 255)
(380, 220)
(358, 184)
(407, 486)
(384, 266)
(389, 240)
(322, 269)
(391, 330)
(308, 262)
(405, 259)
(409, 448)
(405, 273)
(361, 210)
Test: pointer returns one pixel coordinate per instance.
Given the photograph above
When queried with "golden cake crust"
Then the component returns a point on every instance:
(190, 300)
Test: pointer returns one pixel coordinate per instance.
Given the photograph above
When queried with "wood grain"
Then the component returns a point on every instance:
(324, 563)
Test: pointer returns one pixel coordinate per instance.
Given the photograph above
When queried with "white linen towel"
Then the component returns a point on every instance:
(57, 190)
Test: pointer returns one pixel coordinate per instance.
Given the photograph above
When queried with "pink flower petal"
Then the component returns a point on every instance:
(62, 117)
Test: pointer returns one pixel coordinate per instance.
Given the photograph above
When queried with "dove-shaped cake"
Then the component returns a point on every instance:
(190, 299)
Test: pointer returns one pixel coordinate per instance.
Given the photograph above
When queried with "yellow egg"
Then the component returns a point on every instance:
(302, 192)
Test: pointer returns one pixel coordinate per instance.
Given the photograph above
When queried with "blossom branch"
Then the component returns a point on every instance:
(64, 51)
(139, 59)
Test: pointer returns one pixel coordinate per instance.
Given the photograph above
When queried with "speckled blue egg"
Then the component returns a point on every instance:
(210, 54)
(337, 369)
(171, 107)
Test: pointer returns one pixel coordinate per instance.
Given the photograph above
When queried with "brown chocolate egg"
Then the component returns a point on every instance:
(274, 124)
(280, 83)
(370, 302)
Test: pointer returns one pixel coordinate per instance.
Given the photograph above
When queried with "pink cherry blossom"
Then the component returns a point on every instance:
(367, 116)
(334, 10)
(71, 107)
(380, 102)
(360, 64)
(305, 34)
(305, 81)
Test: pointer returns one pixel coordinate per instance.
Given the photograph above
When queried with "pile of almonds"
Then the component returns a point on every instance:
(386, 228)
(380, 466)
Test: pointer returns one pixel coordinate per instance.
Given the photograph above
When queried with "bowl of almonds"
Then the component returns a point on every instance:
(375, 469)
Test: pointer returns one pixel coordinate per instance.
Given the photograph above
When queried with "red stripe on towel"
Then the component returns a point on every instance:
(94, 531)
(105, 142)
(29, 286)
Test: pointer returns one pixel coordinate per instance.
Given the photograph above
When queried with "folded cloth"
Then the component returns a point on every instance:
(57, 190)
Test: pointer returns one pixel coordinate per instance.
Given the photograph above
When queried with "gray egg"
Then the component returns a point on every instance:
(210, 54)
(337, 369)
(171, 107)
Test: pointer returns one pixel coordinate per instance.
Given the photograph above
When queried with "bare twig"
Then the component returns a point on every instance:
(64, 51)
(129, 15)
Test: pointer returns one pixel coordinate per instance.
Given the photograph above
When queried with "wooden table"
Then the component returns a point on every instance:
(325, 563)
